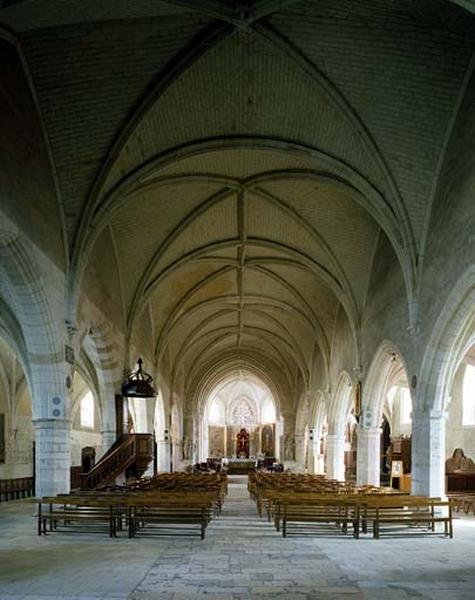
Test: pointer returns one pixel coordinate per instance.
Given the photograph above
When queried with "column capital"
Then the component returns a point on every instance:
(51, 423)
(369, 431)
(429, 414)
(335, 437)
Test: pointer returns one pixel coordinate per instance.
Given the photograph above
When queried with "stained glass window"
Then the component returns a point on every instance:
(243, 414)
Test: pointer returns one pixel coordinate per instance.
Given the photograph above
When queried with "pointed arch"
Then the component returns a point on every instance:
(452, 333)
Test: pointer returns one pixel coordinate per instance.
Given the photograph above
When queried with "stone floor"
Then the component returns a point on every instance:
(242, 557)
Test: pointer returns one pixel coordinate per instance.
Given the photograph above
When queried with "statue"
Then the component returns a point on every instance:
(186, 447)
(459, 462)
(289, 448)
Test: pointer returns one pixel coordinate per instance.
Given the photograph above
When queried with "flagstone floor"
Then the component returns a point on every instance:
(242, 557)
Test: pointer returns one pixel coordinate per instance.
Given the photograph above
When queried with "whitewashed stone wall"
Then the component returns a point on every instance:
(19, 450)
(81, 438)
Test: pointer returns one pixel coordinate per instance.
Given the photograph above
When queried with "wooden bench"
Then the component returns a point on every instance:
(78, 514)
(304, 517)
(141, 513)
(165, 517)
(408, 512)
(14, 489)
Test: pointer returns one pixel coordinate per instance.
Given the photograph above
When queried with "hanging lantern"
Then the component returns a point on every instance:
(138, 384)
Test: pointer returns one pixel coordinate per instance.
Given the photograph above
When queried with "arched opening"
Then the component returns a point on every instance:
(397, 419)
(180, 445)
(452, 338)
(99, 357)
(338, 455)
(468, 394)
(239, 420)
(385, 460)
(16, 427)
(162, 449)
(318, 437)
(86, 437)
(351, 437)
(460, 429)
(385, 431)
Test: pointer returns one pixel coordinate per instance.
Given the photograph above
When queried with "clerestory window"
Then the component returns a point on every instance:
(87, 411)
(468, 395)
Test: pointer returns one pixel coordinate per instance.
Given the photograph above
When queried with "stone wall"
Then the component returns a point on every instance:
(19, 450)
(81, 438)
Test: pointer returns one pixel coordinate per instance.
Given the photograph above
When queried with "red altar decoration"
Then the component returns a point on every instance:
(242, 444)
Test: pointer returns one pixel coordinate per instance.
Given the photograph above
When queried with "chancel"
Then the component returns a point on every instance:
(237, 299)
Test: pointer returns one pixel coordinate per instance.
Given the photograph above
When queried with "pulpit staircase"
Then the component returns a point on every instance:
(131, 454)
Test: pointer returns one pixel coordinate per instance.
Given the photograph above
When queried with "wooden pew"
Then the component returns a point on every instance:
(303, 502)
(14, 489)
(159, 511)
(78, 514)
(179, 515)
(409, 512)
(303, 516)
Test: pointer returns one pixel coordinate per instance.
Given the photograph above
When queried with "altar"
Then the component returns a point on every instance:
(239, 466)
(241, 442)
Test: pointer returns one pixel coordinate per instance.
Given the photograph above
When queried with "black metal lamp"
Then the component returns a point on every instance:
(138, 384)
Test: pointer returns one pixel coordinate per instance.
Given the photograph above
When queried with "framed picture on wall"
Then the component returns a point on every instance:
(397, 468)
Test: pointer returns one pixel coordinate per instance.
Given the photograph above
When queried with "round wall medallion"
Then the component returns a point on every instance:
(56, 412)
(56, 400)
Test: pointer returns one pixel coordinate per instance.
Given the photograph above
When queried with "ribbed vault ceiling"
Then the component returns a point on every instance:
(239, 250)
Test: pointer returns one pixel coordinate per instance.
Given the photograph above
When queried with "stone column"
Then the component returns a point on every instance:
(109, 436)
(319, 464)
(203, 441)
(163, 450)
(313, 462)
(368, 456)
(336, 456)
(163, 453)
(428, 452)
(300, 449)
(52, 457)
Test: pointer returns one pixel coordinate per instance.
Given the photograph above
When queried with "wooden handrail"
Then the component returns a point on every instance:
(120, 456)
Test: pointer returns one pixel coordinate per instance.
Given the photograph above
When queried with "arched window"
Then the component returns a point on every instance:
(469, 396)
(268, 412)
(216, 413)
(243, 414)
(87, 411)
(400, 402)
(406, 405)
